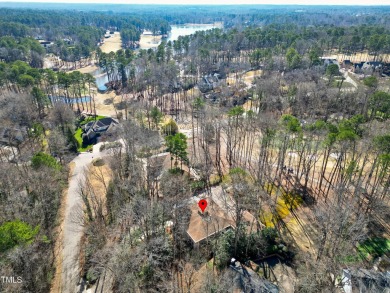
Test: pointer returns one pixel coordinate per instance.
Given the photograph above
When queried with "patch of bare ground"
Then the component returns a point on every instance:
(105, 103)
(285, 277)
(99, 176)
(149, 41)
(194, 280)
(357, 57)
(297, 226)
(87, 69)
(112, 44)
(57, 280)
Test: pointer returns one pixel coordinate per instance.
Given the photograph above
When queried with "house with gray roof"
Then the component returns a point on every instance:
(93, 129)
(362, 280)
(246, 280)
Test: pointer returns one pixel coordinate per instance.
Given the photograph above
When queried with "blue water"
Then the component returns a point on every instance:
(176, 31)
(101, 79)
(187, 29)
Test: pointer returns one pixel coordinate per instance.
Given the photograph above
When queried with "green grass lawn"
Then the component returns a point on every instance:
(78, 136)
(336, 83)
(89, 119)
(370, 249)
(374, 247)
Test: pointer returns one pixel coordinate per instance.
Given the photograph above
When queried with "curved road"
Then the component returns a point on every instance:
(73, 227)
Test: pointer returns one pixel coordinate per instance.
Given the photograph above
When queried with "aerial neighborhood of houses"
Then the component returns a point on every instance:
(360, 67)
(194, 148)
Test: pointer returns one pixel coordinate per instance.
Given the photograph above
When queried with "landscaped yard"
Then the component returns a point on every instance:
(79, 134)
(89, 119)
(374, 247)
(370, 249)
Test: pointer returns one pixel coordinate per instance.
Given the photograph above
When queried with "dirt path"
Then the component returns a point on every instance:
(105, 103)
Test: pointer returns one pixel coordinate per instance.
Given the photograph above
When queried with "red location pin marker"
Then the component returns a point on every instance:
(202, 204)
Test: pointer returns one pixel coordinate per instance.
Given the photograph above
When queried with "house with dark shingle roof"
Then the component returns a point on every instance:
(93, 129)
(246, 280)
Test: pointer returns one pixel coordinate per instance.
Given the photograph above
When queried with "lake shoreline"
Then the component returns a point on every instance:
(150, 42)
(215, 24)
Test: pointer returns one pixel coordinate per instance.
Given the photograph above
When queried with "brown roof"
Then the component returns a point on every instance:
(213, 220)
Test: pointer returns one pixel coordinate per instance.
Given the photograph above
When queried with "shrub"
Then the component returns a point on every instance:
(41, 159)
(269, 235)
(16, 233)
(110, 145)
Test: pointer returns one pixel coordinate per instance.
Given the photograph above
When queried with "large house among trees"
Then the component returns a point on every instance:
(203, 225)
(213, 221)
(93, 129)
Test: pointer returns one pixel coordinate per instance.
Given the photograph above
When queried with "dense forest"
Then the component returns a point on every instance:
(279, 120)
(75, 34)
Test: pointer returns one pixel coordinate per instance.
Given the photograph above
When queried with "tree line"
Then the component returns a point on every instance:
(293, 143)
(306, 140)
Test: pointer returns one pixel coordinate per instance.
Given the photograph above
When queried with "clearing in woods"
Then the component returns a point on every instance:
(112, 44)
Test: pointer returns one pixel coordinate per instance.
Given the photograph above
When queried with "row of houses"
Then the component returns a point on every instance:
(367, 67)
(370, 67)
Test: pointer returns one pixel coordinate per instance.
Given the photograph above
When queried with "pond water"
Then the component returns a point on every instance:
(188, 29)
(101, 79)
(176, 31)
